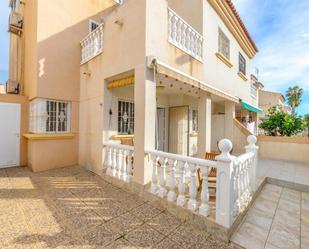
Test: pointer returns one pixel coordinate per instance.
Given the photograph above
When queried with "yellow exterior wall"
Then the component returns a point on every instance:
(284, 148)
(50, 154)
(49, 54)
(124, 48)
(29, 49)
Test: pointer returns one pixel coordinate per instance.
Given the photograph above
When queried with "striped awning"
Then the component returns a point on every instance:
(127, 81)
(165, 69)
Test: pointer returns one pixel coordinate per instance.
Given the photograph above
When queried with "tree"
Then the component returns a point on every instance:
(280, 123)
(294, 95)
(306, 120)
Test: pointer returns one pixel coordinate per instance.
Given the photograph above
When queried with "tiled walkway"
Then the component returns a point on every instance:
(278, 219)
(73, 208)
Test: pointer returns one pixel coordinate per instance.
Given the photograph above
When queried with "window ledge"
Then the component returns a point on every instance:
(225, 60)
(40, 136)
(119, 137)
(241, 75)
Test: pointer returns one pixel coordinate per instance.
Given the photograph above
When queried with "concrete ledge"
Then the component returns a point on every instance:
(296, 140)
(287, 184)
(32, 136)
(225, 60)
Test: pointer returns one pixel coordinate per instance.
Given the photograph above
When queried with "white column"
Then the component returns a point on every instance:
(229, 119)
(224, 193)
(144, 123)
(251, 147)
(204, 125)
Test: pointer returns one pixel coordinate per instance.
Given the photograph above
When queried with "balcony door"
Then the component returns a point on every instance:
(179, 130)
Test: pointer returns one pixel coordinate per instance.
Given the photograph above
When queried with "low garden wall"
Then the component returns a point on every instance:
(284, 148)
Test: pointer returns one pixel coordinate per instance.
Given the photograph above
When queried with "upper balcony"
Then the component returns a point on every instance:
(92, 44)
(182, 35)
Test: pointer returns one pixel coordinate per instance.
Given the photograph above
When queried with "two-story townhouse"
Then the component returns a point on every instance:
(173, 76)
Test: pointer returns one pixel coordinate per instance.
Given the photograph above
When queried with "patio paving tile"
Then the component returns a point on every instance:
(145, 212)
(144, 236)
(74, 208)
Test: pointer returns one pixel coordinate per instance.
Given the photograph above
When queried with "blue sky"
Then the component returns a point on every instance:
(280, 29)
(4, 40)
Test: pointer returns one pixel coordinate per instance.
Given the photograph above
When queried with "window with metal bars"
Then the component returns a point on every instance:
(242, 64)
(224, 44)
(49, 116)
(125, 117)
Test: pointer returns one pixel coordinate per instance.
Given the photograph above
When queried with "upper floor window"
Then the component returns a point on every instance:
(50, 116)
(224, 44)
(242, 64)
(14, 4)
(93, 25)
(253, 91)
(125, 117)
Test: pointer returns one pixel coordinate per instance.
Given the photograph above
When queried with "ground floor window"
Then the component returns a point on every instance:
(50, 116)
(125, 117)
(194, 120)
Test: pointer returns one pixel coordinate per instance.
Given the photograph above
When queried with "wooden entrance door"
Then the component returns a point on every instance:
(179, 130)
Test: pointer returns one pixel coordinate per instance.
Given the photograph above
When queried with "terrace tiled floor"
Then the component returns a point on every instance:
(73, 208)
(293, 172)
(278, 219)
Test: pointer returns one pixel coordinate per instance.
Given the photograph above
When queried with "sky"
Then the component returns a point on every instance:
(280, 29)
(4, 40)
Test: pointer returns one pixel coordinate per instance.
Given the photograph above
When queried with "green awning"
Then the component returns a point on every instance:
(250, 107)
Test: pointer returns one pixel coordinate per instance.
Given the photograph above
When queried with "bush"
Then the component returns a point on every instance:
(280, 123)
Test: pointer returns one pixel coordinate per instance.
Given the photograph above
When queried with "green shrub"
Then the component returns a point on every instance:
(280, 123)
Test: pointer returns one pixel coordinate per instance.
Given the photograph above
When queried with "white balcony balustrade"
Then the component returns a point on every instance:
(92, 45)
(183, 36)
(182, 174)
(176, 178)
(119, 161)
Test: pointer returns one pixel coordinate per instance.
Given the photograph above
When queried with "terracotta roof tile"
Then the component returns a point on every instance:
(231, 5)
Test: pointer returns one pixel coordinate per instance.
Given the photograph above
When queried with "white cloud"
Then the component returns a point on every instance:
(281, 31)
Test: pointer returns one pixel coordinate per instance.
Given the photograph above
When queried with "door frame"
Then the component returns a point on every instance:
(188, 125)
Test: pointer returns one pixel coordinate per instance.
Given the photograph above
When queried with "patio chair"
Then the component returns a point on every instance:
(212, 176)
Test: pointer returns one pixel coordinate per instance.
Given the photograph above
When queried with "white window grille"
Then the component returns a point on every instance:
(49, 116)
(125, 117)
(224, 44)
(93, 25)
(242, 64)
(194, 120)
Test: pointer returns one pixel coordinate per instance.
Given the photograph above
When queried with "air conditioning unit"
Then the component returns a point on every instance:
(12, 86)
(16, 22)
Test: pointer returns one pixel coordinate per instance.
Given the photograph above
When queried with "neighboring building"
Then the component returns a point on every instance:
(269, 99)
(173, 74)
(2, 88)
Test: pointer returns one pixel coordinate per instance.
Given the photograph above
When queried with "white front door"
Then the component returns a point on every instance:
(178, 130)
(9, 134)
(160, 129)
